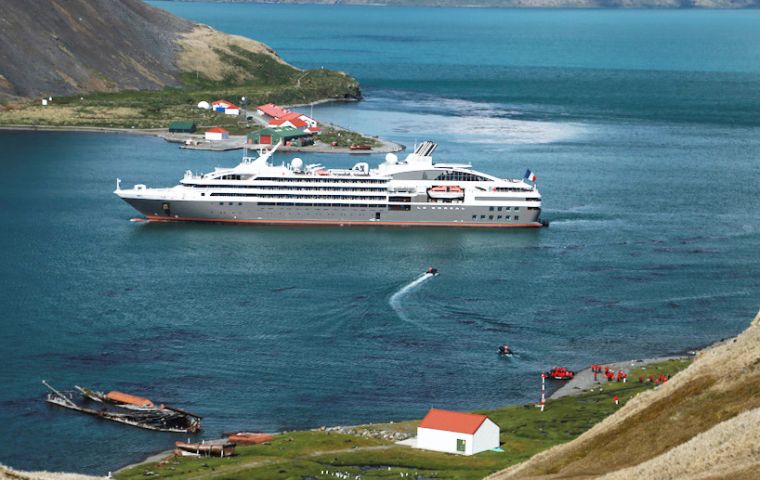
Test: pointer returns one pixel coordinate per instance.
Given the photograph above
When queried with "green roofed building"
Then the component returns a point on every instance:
(182, 127)
(296, 137)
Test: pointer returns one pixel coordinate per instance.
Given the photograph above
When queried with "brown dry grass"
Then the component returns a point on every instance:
(7, 473)
(722, 383)
(197, 52)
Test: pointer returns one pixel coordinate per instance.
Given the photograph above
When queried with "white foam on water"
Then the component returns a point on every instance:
(395, 300)
(487, 130)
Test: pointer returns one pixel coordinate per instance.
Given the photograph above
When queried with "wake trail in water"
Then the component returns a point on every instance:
(395, 300)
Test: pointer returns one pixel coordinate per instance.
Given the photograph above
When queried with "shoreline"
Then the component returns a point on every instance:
(83, 129)
(582, 383)
(235, 142)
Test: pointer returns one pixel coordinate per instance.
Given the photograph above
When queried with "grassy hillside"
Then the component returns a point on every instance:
(717, 397)
(150, 68)
(524, 431)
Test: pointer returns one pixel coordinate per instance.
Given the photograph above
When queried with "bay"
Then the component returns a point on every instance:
(642, 126)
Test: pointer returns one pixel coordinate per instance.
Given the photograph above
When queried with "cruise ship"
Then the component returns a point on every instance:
(414, 191)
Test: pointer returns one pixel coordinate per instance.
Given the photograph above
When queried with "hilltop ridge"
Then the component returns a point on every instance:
(72, 47)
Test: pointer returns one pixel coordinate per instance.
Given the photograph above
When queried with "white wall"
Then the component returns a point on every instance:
(442, 441)
(309, 121)
(486, 438)
(216, 136)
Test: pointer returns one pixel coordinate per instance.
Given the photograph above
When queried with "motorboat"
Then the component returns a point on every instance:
(560, 373)
(505, 350)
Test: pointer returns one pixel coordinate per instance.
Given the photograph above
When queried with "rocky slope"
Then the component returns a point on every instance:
(65, 47)
(703, 424)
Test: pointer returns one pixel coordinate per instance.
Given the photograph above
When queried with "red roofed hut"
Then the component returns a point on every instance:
(217, 133)
(457, 432)
(271, 110)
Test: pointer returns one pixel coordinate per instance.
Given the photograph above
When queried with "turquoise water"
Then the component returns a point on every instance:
(643, 128)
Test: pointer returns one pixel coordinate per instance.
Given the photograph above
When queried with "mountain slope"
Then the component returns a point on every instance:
(69, 46)
(65, 47)
(702, 424)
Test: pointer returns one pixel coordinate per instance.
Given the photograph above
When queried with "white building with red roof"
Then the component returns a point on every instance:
(224, 106)
(271, 110)
(285, 122)
(217, 133)
(300, 116)
(457, 432)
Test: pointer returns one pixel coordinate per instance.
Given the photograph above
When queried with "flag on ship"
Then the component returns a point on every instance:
(529, 175)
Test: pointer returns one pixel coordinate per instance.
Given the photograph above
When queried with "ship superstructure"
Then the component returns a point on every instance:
(414, 191)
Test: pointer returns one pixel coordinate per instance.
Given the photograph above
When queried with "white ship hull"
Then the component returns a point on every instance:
(397, 193)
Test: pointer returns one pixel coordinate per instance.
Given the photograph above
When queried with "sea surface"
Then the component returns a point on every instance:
(643, 128)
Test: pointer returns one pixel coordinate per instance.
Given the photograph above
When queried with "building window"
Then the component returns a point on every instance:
(517, 218)
(490, 217)
(490, 209)
(474, 217)
(482, 216)
(500, 210)
(461, 445)
(498, 218)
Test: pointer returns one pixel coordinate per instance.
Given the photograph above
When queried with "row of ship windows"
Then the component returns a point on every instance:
(498, 217)
(298, 188)
(512, 189)
(290, 204)
(441, 208)
(267, 195)
(321, 179)
(462, 177)
(498, 209)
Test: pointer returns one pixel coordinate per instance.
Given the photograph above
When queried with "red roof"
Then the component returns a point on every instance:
(291, 115)
(232, 105)
(296, 122)
(222, 102)
(449, 421)
(272, 110)
(217, 130)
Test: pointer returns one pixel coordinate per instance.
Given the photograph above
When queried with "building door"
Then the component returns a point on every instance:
(461, 445)
(377, 215)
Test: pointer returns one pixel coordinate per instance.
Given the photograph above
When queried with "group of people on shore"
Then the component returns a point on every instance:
(620, 376)
(609, 373)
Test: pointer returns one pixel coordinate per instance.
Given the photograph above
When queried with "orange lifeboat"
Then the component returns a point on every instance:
(446, 192)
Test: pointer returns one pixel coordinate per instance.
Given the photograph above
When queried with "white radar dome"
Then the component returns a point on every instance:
(204, 105)
(391, 158)
(296, 163)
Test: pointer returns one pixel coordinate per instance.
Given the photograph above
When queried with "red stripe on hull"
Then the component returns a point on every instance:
(156, 218)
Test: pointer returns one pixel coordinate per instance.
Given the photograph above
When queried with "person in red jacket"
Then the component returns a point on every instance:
(617, 400)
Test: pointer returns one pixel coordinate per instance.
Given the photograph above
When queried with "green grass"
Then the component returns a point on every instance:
(345, 138)
(277, 83)
(525, 431)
